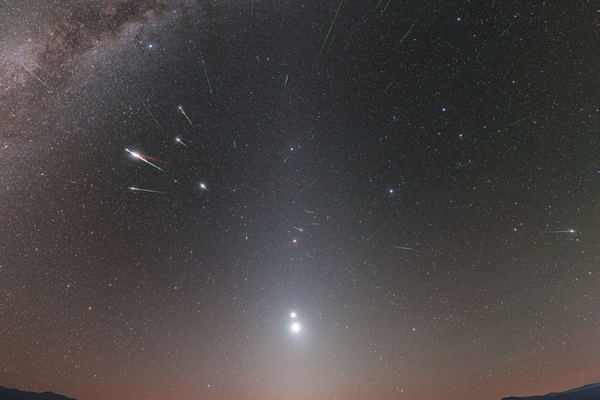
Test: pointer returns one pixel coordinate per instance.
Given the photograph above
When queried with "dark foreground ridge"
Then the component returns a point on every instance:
(14, 394)
(587, 392)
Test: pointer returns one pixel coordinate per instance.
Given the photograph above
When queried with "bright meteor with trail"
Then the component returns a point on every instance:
(185, 115)
(569, 231)
(142, 158)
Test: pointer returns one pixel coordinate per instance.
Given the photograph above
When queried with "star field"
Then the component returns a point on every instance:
(287, 200)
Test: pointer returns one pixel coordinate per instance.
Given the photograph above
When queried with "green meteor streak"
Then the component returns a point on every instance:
(309, 212)
(11, 7)
(569, 231)
(314, 223)
(251, 10)
(105, 25)
(403, 248)
(377, 5)
(332, 22)
(41, 81)
(234, 145)
(333, 38)
(321, 160)
(298, 228)
(181, 142)
(312, 183)
(285, 84)
(285, 160)
(159, 168)
(348, 43)
(522, 119)
(407, 33)
(390, 123)
(462, 165)
(207, 80)
(388, 86)
(385, 8)
(185, 115)
(227, 230)
(231, 208)
(153, 116)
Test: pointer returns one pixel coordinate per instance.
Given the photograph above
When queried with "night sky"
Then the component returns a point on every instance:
(357, 200)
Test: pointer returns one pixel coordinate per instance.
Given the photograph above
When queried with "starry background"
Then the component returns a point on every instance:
(394, 172)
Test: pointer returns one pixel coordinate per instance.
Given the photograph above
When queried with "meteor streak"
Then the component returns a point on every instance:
(146, 190)
(41, 81)
(142, 158)
(206, 73)
(522, 119)
(388, 86)
(569, 231)
(462, 165)
(403, 248)
(178, 140)
(105, 25)
(185, 115)
(385, 8)
(312, 183)
(332, 22)
(407, 33)
(152, 115)
(348, 43)
(285, 84)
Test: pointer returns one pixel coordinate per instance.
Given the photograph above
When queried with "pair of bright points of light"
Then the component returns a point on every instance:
(295, 325)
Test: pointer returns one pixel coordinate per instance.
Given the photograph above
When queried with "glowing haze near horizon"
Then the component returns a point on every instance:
(399, 205)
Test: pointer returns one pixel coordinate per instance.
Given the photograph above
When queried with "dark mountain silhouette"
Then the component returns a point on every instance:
(587, 392)
(14, 394)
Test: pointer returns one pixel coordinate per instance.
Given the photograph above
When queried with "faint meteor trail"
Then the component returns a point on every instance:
(347, 43)
(385, 8)
(332, 22)
(152, 115)
(105, 25)
(41, 81)
(146, 190)
(207, 80)
(410, 29)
